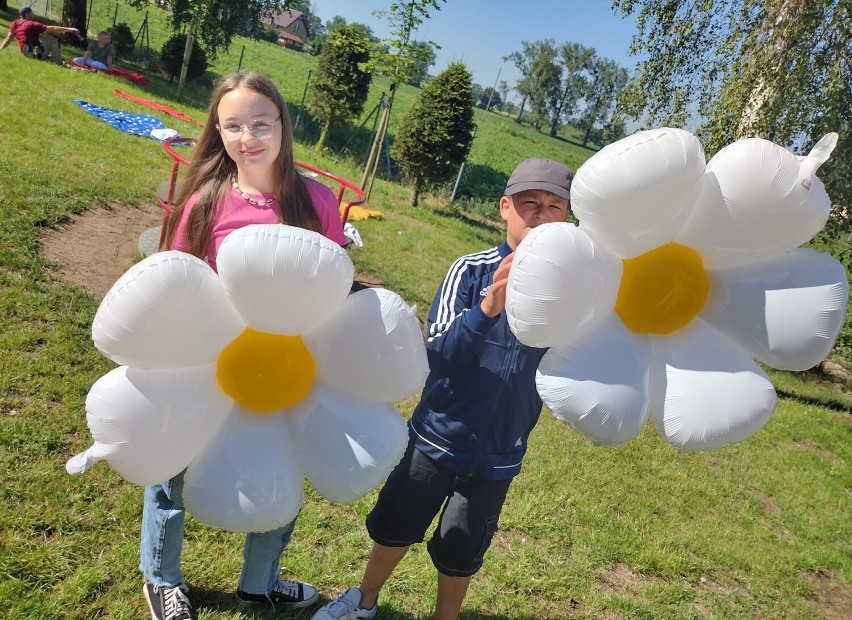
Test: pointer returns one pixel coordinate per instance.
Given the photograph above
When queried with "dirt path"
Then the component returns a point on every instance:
(95, 248)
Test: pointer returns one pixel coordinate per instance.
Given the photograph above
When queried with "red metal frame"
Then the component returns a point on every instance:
(167, 201)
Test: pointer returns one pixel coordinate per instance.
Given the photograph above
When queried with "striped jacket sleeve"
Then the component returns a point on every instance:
(456, 325)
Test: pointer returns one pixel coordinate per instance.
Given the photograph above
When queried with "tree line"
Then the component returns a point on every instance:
(777, 69)
(569, 83)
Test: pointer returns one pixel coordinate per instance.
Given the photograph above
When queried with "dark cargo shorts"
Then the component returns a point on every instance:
(415, 492)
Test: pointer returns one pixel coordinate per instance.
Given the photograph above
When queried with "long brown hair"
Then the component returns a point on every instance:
(211, 170)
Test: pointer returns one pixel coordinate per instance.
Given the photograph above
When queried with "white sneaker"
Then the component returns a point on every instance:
(346, 607)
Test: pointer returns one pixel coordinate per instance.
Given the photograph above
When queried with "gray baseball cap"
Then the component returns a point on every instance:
(540, 173)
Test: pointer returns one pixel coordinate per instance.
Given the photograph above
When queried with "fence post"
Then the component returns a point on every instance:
(302, 102)
(240, 64)
(461, 168)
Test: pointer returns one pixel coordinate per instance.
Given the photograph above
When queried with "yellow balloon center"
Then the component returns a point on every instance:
(265, 372)
(662, 290)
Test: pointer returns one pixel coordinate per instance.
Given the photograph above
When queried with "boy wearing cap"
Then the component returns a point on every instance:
(26, 31)
(468, 434)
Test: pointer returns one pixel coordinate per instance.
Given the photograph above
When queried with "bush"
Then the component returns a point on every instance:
(269, 32)
(123, 41)
(434, 136)
(171, 56)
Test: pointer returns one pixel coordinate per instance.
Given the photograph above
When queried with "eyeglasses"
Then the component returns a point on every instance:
(258, 129)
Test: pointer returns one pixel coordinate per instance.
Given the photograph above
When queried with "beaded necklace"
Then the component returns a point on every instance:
(259, 203)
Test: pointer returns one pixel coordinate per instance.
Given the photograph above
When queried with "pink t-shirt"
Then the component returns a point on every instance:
(236, 212)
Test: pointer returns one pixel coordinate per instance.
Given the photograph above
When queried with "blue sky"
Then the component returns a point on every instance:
(480, 32)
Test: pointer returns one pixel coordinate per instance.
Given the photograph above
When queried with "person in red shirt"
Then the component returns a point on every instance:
(26, 31)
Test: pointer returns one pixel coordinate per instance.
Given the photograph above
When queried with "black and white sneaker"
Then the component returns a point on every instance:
(285, 593)
(168, 603)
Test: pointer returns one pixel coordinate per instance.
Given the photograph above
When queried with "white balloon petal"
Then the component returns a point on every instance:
(150, 316)
(247, 479)
(705, 391)
(759, 201)
(172, 317)
(282, 279)
(633, 195)
(598, 384)
(349, 445)
(787, 312)
(551, 258)
(736, 221)
(150, 424)
(372, 348)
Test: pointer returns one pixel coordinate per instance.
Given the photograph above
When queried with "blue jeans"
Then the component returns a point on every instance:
(95, 64)
(162, 540)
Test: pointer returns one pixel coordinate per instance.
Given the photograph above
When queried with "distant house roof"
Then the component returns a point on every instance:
(292, 28)
(285, 18)
(283, 34)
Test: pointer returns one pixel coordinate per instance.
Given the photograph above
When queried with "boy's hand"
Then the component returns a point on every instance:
(495, 300)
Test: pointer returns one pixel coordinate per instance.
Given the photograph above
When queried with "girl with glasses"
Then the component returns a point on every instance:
(242, 173)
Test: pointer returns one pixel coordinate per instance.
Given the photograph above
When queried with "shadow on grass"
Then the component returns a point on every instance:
(474, 222)
(831, 404)
(481, 183)
(587, 147)
(218, 601)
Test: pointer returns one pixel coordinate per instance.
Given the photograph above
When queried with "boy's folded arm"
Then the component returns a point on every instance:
(459, 343)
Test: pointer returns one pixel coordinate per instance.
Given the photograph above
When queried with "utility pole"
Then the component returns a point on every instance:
(493, 88)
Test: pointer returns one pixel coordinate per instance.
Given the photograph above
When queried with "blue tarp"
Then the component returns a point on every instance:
(137, 124)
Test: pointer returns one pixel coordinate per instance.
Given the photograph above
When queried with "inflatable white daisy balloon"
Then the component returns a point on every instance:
(679, 275)
(251, 377)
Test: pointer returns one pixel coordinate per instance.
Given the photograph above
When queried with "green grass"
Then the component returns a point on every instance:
(760, 530)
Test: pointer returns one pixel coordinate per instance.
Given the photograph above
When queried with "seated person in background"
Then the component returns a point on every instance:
(26, 31)
(99, 54)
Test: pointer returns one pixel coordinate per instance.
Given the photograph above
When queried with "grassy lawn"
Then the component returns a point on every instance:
(760, 530)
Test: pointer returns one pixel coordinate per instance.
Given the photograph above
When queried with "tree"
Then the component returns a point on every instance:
(614, 129)
(523, 62)
(607, 80)
(340, 84)
(74, 14)
(503, 89)
(577, 61)
(489, 94)
(397, 61)
(316, 43)
(215, 22)
(540, 82)
(476, 94)
(425, 59)
(172, 56)
(436, 134)
(545, 84)
(778, 69)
